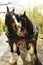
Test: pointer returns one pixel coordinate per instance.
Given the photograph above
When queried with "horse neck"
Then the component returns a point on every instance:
(29, 24)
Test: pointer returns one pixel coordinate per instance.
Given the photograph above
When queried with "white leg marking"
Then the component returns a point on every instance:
(30, 53)
(28, 57)
(13, 58)
(14, 47)
(33, 59)
(19, 61)
(31, 50)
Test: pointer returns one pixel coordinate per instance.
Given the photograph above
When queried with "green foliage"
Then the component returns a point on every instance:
(1, 25)
(38, 18)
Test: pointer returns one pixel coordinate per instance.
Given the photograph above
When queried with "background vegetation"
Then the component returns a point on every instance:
(36, 15)
(1, 25)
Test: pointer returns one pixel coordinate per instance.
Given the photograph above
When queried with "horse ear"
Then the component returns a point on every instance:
(13, 9)
(7, 9)
(24, 13)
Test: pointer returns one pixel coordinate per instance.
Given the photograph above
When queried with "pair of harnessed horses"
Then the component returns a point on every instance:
(20, 28)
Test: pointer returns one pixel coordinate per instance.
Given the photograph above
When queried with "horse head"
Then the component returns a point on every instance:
(28, 25)
(12, 21)
(11, 18)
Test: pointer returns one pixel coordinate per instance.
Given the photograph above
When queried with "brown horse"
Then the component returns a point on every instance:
(21, 30)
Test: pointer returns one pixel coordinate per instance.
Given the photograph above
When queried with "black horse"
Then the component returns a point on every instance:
(20, 28)
(29, 29)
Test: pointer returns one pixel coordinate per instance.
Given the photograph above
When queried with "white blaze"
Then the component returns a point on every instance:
(30, 53)
(18, 24)
(15, 20)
